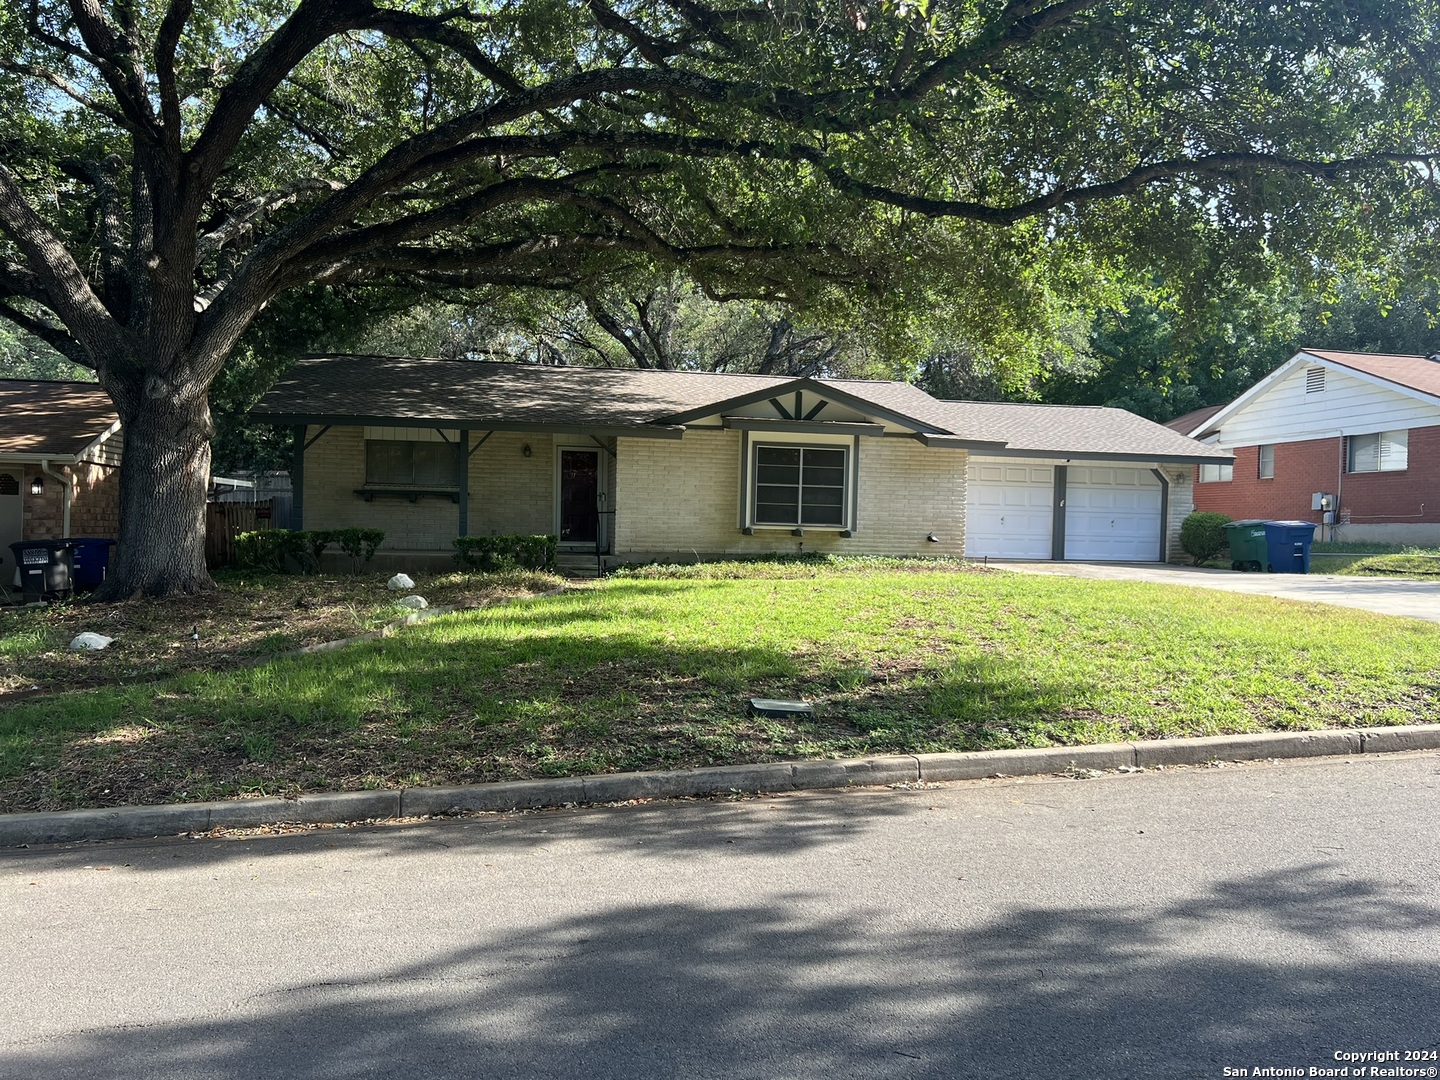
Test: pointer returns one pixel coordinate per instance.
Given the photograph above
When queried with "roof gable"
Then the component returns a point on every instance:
(1290, 405)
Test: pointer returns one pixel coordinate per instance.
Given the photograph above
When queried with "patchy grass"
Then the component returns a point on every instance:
(1362, 559)
(653, 670)
(249, 617)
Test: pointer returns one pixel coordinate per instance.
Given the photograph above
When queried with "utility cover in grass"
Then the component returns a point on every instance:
(770, 707)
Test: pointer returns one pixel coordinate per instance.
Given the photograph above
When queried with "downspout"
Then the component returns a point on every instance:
(65, 482)
(1339, 485)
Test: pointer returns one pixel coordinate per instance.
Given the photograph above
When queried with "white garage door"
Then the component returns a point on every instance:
(1008, 510)
(1112, 514)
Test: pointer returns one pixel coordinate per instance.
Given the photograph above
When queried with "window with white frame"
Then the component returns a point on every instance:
(1267, 462)
(1385, 451)
(800, 485)
(1214, 474)
(402, 463)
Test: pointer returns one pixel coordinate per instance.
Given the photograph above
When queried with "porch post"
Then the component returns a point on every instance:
(462, 455)
(297, 480)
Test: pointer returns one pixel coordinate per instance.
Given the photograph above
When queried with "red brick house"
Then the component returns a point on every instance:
(1346, 440)
(60, 450)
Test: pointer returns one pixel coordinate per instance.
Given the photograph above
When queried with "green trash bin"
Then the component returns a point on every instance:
(1247, 540)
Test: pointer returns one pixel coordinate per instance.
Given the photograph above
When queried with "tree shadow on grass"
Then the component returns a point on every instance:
(772, 989)
(439, 710)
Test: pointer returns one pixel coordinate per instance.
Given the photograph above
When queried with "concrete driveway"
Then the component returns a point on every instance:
(1384, 596)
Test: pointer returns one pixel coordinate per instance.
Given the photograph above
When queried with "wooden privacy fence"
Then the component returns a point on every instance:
(226, 520)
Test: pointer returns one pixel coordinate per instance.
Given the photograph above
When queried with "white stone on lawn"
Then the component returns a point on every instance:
(89, 640)
(416, 602)
(399, 583)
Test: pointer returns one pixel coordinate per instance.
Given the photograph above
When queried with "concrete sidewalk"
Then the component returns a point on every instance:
(1384, 596)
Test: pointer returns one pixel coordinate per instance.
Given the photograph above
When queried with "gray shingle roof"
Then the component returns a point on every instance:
(59, 419)
(1062, 429)
(463, 393)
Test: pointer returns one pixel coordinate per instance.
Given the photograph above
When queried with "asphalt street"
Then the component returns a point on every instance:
(1160, 924)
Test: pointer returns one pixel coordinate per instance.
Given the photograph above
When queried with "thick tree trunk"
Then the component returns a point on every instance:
(163, 481)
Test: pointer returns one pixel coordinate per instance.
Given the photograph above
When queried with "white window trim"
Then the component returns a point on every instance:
(1260, 464)
(748, 454)
(1380, 438)
(1221, 478)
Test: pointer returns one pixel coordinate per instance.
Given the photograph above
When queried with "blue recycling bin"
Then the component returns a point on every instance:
(1287, 546)
(91, 558)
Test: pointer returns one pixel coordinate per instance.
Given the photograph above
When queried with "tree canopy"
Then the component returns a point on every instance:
(172, 167)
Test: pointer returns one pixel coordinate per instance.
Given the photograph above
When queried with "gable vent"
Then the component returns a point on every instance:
(1315, 380)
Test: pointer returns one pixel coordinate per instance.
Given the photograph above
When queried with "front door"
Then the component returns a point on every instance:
(10, 520)
(579, 496)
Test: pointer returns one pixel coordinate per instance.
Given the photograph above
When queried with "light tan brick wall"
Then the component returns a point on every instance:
(509, 492)
(682, 499)
(43, 514)
(1182, 504)
(95, 510)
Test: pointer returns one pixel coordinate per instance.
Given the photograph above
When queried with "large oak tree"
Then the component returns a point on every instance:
(171, 166)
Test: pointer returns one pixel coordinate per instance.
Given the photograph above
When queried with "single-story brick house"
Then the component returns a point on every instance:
(1347, 440)
(646, 465)
(60, 452)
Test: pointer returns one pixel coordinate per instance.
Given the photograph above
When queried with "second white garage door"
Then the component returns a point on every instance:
(1112, 514)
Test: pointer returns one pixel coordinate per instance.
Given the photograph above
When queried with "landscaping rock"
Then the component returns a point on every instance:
(419, 603)
(89, 640)
(399, 583)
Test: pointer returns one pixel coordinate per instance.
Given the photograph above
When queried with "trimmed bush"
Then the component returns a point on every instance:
(492, 553)
(1202, 535)
(277, 550)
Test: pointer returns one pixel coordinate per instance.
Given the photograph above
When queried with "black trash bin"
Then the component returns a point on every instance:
(45, 568)
(91, 560)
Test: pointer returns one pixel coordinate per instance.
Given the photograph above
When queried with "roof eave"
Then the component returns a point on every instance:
(1100, 455)
(647, 430)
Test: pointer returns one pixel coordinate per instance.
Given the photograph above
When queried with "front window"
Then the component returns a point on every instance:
(1385, 451)
(1267, 462)
(1214, 474)
(800, 485)
(401, 463)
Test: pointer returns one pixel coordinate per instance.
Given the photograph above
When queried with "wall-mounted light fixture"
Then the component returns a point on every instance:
(37, 486)
(525, 449)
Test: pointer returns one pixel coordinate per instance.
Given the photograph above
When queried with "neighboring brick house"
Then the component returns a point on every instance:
(60, 451)
(645, 465)
(1350, 441)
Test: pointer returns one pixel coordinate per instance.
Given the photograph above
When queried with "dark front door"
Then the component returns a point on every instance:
(579, 494)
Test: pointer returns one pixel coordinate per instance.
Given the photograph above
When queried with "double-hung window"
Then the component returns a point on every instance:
(1267, 462)
(800, 485)
(402, 463)
(1385, 451)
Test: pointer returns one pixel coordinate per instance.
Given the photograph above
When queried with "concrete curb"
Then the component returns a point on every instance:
(18, 830)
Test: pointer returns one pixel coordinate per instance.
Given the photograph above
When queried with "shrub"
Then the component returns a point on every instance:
(359, 544)
(491, 553)
(278, 549)
(1202, 535)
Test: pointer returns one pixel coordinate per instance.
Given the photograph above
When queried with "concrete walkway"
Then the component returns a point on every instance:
(1384, 596)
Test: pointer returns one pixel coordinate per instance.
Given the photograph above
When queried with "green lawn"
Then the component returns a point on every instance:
(1375, 560)
(654, 669)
